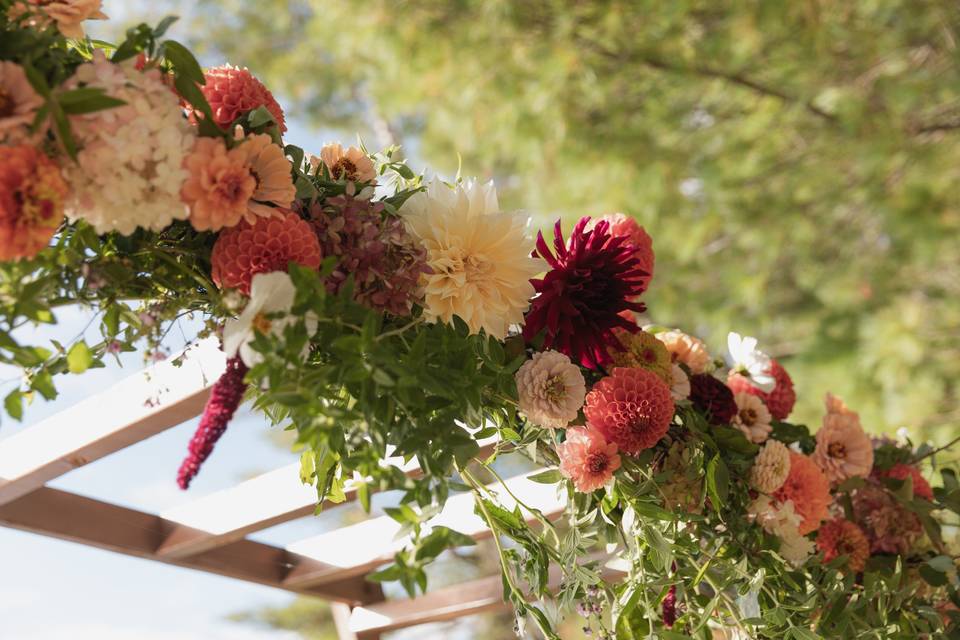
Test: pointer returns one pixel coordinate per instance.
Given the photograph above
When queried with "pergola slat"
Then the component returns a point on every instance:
(356, 549)
(68, 516)
(482, 595)
(256, 504)
(136, 408)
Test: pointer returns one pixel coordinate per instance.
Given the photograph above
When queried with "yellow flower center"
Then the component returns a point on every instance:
(555, 389)
(261, 323)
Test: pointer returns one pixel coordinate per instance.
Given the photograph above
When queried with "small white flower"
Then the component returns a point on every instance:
(270, 293)
(750, 361)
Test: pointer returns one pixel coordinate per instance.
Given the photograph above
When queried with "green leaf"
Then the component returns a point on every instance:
(550, 476)
(718, 482)
(799, 633)
(13, 403)
(79, 357)
(42, 382)
(259, 117)
(87, 100)
(183, 61)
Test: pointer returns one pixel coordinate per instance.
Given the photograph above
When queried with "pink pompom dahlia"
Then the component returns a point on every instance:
(232, 92)
(587, 458)
(225, 397)
(592, 279)
(268, 244)
(780, 401)
(633, 408)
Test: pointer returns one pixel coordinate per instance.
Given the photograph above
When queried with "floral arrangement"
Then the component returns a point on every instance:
(366, 309)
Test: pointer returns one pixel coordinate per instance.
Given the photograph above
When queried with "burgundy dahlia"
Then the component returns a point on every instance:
(225, 397)
(593, 278)
(713, 398)
(386, 262)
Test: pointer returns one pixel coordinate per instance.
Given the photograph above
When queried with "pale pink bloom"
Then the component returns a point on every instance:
(551, 389)
(680, 383)
(843, 449)
(685, 349)
(70, 14)
(350, 164)
(18, 103)
(752, 418)
(587, 459)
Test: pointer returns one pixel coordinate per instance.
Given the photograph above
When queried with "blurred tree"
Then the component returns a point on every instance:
(797, 163)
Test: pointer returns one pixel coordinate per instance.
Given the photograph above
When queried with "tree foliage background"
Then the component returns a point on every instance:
(797, 163)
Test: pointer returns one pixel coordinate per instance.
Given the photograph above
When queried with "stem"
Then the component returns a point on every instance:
(936, 451)
(400, 330)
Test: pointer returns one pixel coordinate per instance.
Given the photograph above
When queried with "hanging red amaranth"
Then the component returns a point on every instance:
(670, 607)
(225, 397)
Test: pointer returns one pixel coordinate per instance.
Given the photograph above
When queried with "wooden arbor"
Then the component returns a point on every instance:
(210, 533)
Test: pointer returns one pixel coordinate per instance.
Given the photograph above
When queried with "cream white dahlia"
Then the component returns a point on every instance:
(479, 256)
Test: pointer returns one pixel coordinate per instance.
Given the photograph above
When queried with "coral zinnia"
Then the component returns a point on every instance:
(780, 401)
(900, 471)
(32, 192)
(641, 349)
(593, 278)
(587, 459)
(268, 244)
(479, 256)
(713, 398)
(271, 169)
(633, 408)
(844, 538)
(219, 185)
(551, 389)
(233, 92)
(843, 449)
(809, 490)
(636, 236)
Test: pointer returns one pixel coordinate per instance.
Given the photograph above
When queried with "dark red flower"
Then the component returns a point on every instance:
(670, 607)
(713, 398)
(592, 279)
(225, 397)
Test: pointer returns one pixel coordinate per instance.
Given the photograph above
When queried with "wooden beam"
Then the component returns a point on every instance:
(68, 516)
(468, 598)
(356, 549)
(142, 405)
(256, 504)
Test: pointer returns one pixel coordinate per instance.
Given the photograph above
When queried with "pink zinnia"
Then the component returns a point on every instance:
(632, 407)
(593, 278)
(587, 458)
(233, 92)
(623, 226)
(843, 449)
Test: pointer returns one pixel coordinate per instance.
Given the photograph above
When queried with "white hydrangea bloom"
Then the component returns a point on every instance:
(129, 168)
